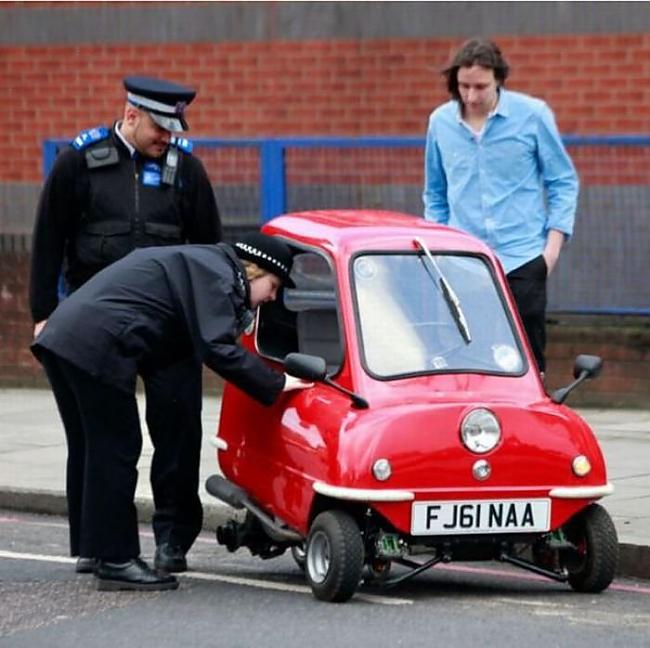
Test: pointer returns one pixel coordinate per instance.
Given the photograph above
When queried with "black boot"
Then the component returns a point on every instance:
(170, 558)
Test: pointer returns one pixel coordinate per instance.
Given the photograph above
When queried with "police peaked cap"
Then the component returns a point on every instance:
(267, 252)
(163, 100)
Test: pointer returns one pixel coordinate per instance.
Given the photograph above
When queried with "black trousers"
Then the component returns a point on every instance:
(528, 287)
(173, 415)
(104, 440)
(89, 408)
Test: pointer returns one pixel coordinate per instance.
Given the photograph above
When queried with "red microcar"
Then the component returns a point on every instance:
(428, 435)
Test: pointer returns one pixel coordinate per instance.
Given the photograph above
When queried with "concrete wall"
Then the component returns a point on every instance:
(197, 22)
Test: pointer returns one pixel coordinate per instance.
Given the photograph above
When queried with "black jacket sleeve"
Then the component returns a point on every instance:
(58, 210)
(201, 214)
(233, 362)
(209, 314)
(245, 370)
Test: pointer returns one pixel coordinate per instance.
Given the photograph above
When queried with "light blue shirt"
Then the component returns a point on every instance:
(508, 185)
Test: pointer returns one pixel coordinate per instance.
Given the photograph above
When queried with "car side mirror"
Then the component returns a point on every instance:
(587, 363)
(585, 367)
(314, 368)
(307, 367)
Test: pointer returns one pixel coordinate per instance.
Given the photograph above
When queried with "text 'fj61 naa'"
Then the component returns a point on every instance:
(428, 435)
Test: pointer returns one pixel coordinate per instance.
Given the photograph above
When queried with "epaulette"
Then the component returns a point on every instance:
(182, 143)
(90, 136)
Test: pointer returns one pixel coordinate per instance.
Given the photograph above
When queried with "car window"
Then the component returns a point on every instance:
(409, 324)
(306, 318)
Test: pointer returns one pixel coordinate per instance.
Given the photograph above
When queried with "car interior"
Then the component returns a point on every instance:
(304, 319)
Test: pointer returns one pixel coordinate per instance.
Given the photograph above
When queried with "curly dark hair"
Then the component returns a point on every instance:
(477, 51)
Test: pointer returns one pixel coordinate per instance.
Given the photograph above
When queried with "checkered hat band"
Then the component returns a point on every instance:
(253, 251)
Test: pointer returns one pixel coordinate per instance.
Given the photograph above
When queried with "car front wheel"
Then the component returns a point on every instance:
(334, 557)
(593, 534)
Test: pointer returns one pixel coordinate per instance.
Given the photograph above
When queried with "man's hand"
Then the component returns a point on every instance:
(552, 250)
(291, 383)
(38, 327)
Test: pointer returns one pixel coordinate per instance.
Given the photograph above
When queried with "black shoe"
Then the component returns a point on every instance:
(170, 558)
(132, 575)
(85, 565)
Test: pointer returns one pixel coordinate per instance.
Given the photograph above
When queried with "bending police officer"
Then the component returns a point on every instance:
(115, 190)
(151, 309)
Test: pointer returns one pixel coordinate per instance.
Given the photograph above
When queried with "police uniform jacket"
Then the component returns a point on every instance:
(99, 203)
(155, 307)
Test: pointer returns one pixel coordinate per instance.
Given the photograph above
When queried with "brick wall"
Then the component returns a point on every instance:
(17, 366)
(595, 84)
(624, 345)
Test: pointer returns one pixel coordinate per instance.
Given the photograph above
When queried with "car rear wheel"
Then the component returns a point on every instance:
(334, 557)
(593, 534)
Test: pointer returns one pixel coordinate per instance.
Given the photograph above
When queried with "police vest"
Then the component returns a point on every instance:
(127, 202)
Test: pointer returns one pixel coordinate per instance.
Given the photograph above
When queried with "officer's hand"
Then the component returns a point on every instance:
(291, 383)
(38, 327)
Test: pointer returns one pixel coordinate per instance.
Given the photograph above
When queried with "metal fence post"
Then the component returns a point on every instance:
(50, 148)
(273, 179)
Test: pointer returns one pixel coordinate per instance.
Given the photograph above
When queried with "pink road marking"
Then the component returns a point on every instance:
(487, 571)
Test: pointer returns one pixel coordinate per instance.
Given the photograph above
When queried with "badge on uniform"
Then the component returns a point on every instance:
(151, 174)
(90, 136)
(182, 143)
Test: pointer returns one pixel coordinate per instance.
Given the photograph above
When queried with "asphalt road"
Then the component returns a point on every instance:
(234, 600)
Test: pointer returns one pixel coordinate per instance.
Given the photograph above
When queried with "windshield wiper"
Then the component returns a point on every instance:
(450, 297)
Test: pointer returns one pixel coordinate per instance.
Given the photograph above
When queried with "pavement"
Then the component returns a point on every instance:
(33, 453)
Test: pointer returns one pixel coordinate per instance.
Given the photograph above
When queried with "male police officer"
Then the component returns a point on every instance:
(112, 191)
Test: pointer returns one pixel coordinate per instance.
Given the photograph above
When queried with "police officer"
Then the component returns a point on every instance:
(149, 310)
(112, 191)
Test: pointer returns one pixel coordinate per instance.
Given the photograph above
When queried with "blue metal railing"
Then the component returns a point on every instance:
(612, 222)
(273, 184)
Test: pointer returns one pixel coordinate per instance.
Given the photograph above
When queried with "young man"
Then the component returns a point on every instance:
(112, 191)
(495, 166)
(155, 308)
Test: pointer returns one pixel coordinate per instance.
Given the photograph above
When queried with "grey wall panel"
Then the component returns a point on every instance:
(18, 201)
(605, 266)
(239, 206)
(255, 21)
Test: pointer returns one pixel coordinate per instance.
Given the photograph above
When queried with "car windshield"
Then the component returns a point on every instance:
(409, 324)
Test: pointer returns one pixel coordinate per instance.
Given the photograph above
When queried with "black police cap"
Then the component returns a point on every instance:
(165, 101)
(267, 252)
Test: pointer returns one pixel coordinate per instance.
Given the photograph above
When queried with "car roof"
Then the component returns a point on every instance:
(351, 230)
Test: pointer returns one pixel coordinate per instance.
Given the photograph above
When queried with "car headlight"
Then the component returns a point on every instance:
(480, 431)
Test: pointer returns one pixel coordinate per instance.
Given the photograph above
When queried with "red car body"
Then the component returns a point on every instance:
(314, 450)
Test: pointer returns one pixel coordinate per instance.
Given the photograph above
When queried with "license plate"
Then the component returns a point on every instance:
(480, 516)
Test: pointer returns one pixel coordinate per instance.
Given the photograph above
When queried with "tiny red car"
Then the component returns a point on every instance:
(428, 435)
